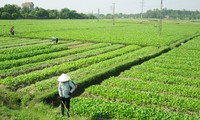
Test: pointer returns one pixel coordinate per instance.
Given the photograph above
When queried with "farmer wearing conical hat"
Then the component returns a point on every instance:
(65, 88)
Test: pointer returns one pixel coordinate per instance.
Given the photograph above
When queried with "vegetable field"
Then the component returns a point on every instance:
(162, 88)
(125, 31)
(126, 71)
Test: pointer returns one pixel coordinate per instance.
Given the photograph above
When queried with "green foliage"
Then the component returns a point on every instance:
(5, 15)
(88, 75)
(9, 98)
(124, 32)
(168, 14)
(58, 69)
(166, 87)
(38, 111)
(26, 65)
(156, 89)
(104, 109)
(14, 12)
(146, 98)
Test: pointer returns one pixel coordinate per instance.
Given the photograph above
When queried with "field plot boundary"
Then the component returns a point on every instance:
(139, 55)
(163, 101)
(98, 78)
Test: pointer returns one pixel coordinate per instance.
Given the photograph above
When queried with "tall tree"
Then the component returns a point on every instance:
(42, 13)
(53, 14)
(64, 13)
(5, 15)
(11, 9)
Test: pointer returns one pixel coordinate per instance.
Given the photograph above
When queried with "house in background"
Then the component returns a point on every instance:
(28, 4)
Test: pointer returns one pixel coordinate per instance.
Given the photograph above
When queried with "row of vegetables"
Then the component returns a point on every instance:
(169, 71)
(16, 42)
(145, 98)
(147, 91)
(78, 53)
(159, 77)
(30, 53)
(107, 109)
(43, 57)
(28, 48)
(165, 89)
(88, 74)
(123, 32)
(192, 45)
(64, 67)
(154, 86)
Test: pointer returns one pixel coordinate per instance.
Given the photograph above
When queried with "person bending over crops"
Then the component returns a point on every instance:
(55, 39)
(12, 31)
(65, 88)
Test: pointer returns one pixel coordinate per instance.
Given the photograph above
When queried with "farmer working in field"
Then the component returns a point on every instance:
(65, 88)
(55, 39)
(12, 31)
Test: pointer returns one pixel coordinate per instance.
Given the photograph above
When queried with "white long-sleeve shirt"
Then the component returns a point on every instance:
(64, 88)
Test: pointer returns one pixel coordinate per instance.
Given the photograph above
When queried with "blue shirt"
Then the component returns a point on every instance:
(65, 88)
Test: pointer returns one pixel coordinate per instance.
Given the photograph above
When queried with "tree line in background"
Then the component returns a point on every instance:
(156, 13)
(170, 14)
(16, 12)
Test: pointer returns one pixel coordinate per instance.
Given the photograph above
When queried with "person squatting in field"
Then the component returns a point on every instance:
(65, 88)
(12, 31)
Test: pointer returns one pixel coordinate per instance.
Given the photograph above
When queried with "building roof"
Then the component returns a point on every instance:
(28, 4)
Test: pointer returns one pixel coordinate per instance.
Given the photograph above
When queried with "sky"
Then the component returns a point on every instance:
(105, 6)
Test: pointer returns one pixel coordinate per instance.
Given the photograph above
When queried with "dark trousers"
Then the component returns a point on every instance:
(57, 40)
(65, 104)
(12, 33)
